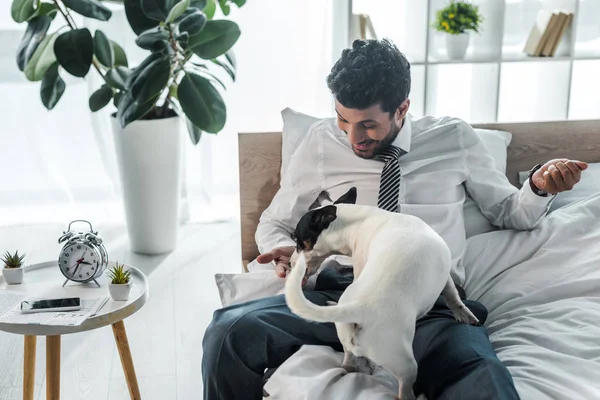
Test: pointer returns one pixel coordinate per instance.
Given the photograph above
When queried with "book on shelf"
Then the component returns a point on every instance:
(547, 33)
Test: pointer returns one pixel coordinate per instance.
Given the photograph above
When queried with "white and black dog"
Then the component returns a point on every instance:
(401, 265)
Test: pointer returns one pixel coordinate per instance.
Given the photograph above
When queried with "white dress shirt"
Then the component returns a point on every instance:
(445, 159)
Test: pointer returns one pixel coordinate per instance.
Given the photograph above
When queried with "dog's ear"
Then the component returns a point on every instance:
(348, 198)
(322, 217)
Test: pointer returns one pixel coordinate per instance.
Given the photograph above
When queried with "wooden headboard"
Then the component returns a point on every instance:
(532, 143)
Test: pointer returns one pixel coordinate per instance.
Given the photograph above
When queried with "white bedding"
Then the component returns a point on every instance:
(542, 289)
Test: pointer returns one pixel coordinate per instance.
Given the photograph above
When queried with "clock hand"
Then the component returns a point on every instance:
(86, 263)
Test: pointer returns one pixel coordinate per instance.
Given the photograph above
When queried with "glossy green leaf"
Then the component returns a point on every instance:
(120, 56)
(152, 80)
(210, 8)
(192, 22)
(116, 77)
(74, 51)
(230, 56)
(131, 110)
(217, 37)
(239, 3)
(138, 21)
(117, 98)
(52, 87)
(22, 10)
(202, 103)
(100, 98)
(224, 4)
(177, 10)
(103, 49)
(42, 58)
(89, 8)
(153, 39)
(194, 131)
(48, 9)
(157, 9)
(34, 34)
(135, 72)
(226, 67)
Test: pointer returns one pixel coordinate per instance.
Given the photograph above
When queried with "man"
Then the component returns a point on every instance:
(422, 167)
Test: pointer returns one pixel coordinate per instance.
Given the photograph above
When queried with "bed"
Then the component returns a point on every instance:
(541, 287)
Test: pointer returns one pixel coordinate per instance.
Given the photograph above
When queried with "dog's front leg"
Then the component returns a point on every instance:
(456, 305)
(349, 363)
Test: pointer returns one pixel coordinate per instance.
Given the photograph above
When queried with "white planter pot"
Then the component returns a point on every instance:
(456, 45)
(149, 154)
(119, 292)
(13, 276)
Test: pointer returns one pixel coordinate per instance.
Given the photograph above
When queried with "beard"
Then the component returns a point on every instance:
(380, 145)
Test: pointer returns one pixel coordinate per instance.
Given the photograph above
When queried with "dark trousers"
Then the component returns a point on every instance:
(456, 361)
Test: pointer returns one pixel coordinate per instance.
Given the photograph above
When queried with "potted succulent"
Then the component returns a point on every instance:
(12, 268)
(456, 20)
(120, 282)
(175, 85)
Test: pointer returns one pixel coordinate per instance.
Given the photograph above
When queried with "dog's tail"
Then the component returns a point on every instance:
(301, 306)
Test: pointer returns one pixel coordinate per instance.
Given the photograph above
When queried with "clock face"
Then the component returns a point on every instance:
(79, 262)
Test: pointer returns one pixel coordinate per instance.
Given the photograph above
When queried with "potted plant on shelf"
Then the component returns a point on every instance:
(456, 20)
(12, 268)
(120, 282)
(175, 83)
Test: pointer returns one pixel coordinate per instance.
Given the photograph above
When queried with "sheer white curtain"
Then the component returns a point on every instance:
(60, 165)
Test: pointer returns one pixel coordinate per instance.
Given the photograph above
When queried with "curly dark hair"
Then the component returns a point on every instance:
(371, 72)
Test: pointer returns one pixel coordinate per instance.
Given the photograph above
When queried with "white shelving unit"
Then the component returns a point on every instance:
(496, 81)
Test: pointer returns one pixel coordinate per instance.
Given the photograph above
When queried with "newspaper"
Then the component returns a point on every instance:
(13, 314)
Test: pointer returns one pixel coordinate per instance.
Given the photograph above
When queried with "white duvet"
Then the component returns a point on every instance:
(542, 289)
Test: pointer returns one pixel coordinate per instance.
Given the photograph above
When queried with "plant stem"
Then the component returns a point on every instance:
(73, 27)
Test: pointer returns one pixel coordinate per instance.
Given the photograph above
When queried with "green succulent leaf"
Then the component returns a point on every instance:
(34, 34)
(177, 10)
(217, 37)
(239, 3)
(138, 21)
(131, 110)
(202, 103)
(48, 9)
(22, 10)
(192, 22)
(100, 98)
(42, 58)
(89, 8)
(153, 39)
(74, 51)
(103, 49)
(137, 70)
(117, 76)
(52, 87)
(120, 56)
(194, 131)
(13, 260)
(157, 9)
(224, 4)
(151, 81)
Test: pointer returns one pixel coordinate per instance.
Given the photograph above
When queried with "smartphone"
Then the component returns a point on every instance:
(67, 304)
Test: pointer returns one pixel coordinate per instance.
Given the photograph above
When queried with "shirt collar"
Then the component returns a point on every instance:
(404, 137)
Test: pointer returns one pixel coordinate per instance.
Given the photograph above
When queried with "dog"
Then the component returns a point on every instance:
(401, 265)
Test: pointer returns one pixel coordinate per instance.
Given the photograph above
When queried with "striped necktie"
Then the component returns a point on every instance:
(389, 186)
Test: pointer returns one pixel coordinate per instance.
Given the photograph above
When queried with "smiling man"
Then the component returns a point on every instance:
(424, 167)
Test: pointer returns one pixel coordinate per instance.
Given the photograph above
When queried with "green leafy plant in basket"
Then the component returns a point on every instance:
(458, 17)
(118, 275)
(12, 261)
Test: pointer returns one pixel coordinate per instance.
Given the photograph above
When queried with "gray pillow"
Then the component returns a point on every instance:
(588, 186)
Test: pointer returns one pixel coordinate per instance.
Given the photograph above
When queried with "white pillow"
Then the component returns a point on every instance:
(588, 186)
(296, 125)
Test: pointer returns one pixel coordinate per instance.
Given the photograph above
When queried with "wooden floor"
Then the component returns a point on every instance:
(165, 335)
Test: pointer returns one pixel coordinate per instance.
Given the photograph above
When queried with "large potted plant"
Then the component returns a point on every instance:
(456, 20)
(174, 83)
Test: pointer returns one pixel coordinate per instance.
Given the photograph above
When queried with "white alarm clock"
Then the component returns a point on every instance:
(83, 257)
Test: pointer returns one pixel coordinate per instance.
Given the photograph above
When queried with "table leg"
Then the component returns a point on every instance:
(29, 367)
(126, 361)
(53, 367)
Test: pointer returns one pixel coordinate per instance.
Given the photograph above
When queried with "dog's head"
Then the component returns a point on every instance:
(311, 227)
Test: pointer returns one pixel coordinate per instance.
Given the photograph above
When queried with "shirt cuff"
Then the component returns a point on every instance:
(529, 197)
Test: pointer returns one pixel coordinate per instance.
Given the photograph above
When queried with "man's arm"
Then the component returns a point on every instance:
(504, 205)
(299, 188)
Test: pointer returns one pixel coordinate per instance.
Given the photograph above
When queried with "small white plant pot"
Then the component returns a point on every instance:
(456, 45)
(120, 292)
(13, 276)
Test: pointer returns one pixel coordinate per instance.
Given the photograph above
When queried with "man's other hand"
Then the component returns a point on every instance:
(281, 256)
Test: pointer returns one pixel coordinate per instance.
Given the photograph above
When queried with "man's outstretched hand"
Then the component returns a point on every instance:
(558, 175)
(281, 256)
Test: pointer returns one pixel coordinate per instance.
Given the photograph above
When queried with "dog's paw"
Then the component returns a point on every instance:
(464, 315)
